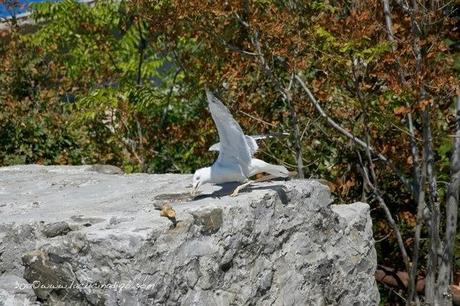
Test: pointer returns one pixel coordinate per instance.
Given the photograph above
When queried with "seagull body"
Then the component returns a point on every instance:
(236, 150)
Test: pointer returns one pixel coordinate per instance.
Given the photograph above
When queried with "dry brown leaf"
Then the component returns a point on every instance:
(401, 110)
(167, 211)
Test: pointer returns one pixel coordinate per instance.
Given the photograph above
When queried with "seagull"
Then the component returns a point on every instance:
(236, 162)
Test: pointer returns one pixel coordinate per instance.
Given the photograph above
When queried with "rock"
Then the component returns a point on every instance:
(15, 290)
(209, 221)
(106, 169)
(56, 229)
(277, 243)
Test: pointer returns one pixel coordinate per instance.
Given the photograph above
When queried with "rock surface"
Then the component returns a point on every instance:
(90, 236)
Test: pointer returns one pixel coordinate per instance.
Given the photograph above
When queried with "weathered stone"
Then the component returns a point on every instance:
(15, 290)
(277, 243)
(209, 220)
(56, 229)
(106, 169)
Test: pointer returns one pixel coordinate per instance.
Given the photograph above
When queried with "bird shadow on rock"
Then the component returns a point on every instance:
(228, 188)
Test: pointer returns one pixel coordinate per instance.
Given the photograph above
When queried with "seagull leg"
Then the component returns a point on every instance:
(250, 182)
(240, 187)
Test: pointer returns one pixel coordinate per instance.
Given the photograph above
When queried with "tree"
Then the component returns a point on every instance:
(368, 89)
(380, 74)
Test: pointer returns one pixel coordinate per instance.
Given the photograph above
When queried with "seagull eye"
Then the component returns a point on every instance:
(198, 178)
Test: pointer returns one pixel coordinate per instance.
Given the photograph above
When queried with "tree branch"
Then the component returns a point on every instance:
(402, 79)
(387, 212)
(452, 201)
(434, 217)
(141, 49)
(288, 99)
(418, 231)
(358, 141)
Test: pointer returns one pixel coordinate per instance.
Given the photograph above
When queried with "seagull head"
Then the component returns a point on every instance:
(201, 176)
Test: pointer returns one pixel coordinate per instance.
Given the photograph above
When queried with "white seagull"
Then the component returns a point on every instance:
(236, 150)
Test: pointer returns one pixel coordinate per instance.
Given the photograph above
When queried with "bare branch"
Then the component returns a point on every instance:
(387, 212)
(168, 99)
(434, 217)
(288, 99)
(236, 49)
(404, 5)
(418, 231)
(244, 23)
(358, 141)
(402, 78)
(257, 119)
(366, 120)
(452, 202)
(141, 50)
(388, 22)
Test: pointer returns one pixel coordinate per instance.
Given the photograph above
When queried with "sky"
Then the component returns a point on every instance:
(5, 13)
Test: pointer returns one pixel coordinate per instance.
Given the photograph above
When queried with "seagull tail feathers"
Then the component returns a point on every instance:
(259, 166)
(278, 170)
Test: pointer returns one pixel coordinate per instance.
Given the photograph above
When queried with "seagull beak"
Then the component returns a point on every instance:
(194, 189)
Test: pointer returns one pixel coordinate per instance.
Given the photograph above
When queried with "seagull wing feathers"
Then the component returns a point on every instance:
(233, 146)
(250, 140)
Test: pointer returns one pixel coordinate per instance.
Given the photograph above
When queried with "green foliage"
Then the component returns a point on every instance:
(113, 92)
(122, 83)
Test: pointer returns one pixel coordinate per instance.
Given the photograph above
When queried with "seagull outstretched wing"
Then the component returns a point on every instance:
(251, 141)
(233, 146)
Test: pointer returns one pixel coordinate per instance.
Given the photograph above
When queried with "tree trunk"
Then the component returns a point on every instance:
(452, 197)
